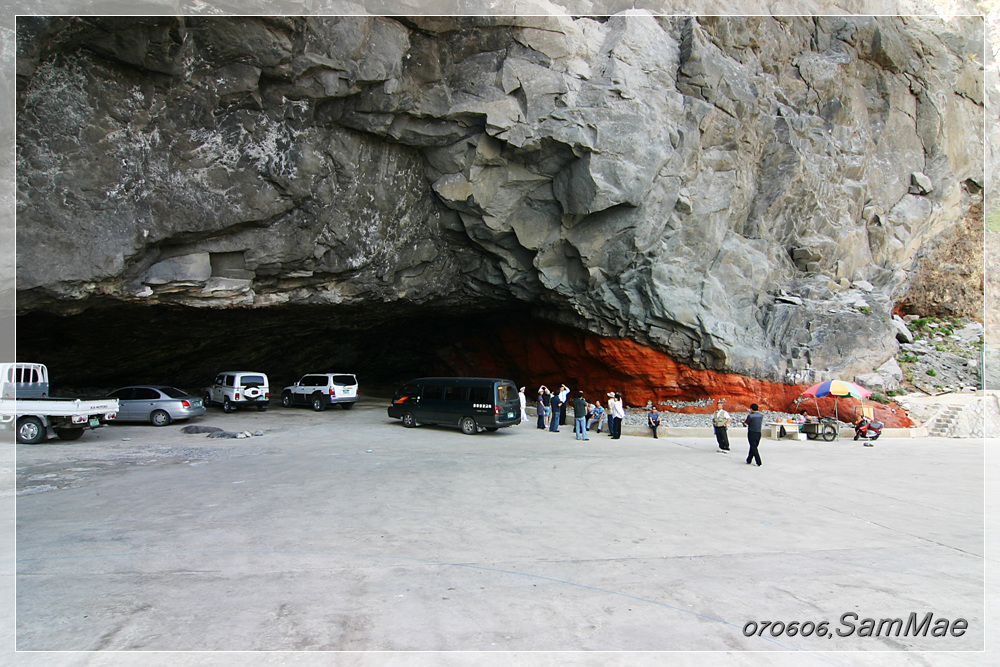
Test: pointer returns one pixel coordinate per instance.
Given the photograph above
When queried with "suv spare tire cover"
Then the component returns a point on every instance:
(253, 392)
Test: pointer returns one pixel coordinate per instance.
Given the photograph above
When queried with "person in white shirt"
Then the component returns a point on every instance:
(563, 395)
(720, 421)
(618, 414)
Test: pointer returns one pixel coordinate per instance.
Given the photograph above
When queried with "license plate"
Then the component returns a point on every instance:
(510, 415)
(196, 404)
(94, 421)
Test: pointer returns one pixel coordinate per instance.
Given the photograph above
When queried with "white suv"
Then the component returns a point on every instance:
(233, 389)
(322, 389)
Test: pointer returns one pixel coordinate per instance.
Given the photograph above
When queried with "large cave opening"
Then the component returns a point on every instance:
(110, 345)
(384, 345)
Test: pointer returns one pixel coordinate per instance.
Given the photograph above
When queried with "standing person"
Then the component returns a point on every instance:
(540, 407)
(563, 400)
(618, 415)
(654, 421)
(720, 422)
(754, 421)
(611, 414)
(596, 415)
(554, 404)
(580, 417)
(524, 404)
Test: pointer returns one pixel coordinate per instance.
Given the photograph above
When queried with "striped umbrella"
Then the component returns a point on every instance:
(837, 389)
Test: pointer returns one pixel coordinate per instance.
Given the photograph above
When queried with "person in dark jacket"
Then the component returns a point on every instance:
(754, 423)
(653, 420)
(554, 403)
(580, 417)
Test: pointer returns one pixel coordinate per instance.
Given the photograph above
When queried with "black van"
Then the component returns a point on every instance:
(471, 403)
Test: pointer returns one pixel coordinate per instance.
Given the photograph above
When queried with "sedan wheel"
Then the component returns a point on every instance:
(159, 418)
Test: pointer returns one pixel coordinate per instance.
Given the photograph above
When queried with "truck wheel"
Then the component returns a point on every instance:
(159, 418)
(68, 433)
(469, 426)
(30, 430)
(409, 421)
(286, 399)
(319, 405)
(227, 405)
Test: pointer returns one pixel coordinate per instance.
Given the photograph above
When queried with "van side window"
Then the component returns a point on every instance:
(454, 394)
(480, 395)
(433, 393)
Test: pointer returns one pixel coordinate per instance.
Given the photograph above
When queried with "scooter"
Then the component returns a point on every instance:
(869, 430)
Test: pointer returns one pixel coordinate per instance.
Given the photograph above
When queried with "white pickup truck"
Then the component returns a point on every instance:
(25, 402)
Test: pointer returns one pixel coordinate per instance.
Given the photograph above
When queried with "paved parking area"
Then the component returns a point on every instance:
(343, 531)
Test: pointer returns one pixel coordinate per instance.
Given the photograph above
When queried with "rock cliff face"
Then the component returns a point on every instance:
(746, 194)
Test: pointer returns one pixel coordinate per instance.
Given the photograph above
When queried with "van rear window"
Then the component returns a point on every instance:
(506, 392)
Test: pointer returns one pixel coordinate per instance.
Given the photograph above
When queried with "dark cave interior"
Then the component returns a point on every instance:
(104, 347)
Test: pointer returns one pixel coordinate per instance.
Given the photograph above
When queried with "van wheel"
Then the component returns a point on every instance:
(409, 421)
(30, 430)
(227, 405)
(319, 405)
(286, 399)
(469, 426)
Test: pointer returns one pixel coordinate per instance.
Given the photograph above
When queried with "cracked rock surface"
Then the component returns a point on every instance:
(748, 194)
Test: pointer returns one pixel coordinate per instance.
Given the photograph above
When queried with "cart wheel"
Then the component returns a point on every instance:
(829, 432)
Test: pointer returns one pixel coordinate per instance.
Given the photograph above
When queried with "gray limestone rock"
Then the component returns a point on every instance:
(709, 186)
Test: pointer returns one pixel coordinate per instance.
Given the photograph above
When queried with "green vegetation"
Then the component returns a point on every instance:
(993, 221)
(931, 372)
(878, 398)
(866, 310)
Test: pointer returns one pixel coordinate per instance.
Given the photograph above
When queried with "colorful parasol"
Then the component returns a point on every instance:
(837, 389)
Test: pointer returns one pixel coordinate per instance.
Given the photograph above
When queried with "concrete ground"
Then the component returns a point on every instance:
(343, 531)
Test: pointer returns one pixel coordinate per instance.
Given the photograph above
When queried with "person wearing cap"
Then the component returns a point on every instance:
(720, 422)
(524, 404)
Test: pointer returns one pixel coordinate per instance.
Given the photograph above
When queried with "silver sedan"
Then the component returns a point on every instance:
(158, 405)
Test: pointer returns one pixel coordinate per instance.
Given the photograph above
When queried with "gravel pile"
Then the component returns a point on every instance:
(637, 417)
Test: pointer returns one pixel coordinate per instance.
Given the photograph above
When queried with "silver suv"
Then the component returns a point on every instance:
(322, 389)
(233, 389)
